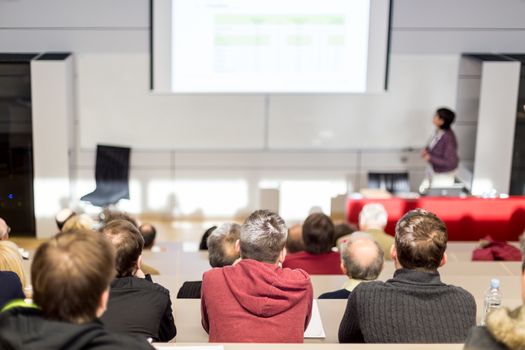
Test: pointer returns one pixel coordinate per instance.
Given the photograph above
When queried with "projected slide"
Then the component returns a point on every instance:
(269, 46)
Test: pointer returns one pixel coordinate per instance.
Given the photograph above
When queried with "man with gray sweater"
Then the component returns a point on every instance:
(414, 306)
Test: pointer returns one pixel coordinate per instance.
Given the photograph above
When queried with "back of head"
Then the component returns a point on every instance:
(263, 236)
(373, 215)
(203, 245)
(362, 258)
(221, 245)
(111, 215)
(128, 244)
(447, 116)
(63, 216)
(294, 241)
(4, 230)
(69, 273)
(78, 223)
(318, 233)
(11, 260)
(421, 240)
(342, 230)
(149, 233)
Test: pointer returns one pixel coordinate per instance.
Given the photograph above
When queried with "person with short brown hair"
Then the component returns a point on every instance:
(414, 306)
(70, 275)
(255, 300)
(136, 304)
(317, 257)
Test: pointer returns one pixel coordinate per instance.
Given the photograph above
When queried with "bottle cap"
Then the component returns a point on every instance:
(494, 283)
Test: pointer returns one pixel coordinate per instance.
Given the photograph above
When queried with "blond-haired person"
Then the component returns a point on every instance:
(12, 276)
(11, 260)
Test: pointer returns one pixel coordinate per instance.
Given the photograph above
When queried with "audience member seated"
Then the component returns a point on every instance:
(78, 222)
(203, 245)
(256, 300)
(11, 260)
(223, 250)
(70, 275)
(4, 230)
(136, 305)
(504, 329)
(294, 241)
(109, 215)
(149, 233)
(11, 287)
(362, 262)
(63, 216)
(342, 230)
(318, 257)
(372, 220)
(414, 306)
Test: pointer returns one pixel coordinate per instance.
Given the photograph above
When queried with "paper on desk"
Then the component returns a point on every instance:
(315, 327)
(178, 347)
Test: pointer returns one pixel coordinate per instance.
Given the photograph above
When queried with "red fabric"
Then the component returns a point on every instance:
(496, 251)
(319, 264)
(467, 219)
(256, 302)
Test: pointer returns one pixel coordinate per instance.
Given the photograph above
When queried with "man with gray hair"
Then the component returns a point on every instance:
(362, 261)
(256, 300)
(222, 251)
(372, 220)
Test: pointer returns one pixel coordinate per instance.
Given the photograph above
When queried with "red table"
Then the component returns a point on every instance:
(467, 219)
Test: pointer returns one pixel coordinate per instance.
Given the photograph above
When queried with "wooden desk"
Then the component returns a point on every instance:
(187, 311)
(241, 346)
(189, 329)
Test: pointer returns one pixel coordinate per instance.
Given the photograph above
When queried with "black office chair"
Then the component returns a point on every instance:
(111, 176)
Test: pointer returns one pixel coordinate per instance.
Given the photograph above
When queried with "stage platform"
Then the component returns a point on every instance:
(467, 219)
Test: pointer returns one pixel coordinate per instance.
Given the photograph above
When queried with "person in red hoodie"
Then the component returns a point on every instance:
(256, 300)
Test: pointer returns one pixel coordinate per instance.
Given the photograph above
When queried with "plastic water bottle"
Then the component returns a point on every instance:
(492, 299)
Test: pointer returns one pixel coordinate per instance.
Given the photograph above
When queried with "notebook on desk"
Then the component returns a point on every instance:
(315, 327)
(167, 346)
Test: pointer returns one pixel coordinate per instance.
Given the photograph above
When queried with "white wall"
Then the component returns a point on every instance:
(52, 114)
(181, 143)
(131, 115)
(497, 120)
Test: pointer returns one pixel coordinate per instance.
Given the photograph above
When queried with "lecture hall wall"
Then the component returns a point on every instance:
(211, 155)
